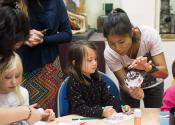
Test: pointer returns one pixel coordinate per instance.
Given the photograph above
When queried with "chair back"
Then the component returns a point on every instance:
(112, 87)
(62, 100)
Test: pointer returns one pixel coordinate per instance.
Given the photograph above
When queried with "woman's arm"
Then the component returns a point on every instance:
(120, 74)
(160, 65)
(136, 93)
(64, 30)
(157, 66)
(13, 114)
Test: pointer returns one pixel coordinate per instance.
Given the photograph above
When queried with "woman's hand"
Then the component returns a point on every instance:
(108, 111)
(136, 93)
(141, 64)
(35, 38)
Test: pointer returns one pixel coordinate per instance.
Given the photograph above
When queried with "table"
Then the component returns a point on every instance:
(150, 116)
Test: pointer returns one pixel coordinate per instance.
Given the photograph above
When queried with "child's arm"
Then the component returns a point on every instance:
(48, 115)
(77, 102)
(108, 99)
(19, 113)
(108, 111)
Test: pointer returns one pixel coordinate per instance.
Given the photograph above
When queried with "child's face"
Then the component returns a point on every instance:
(120, 44)
(89, 64)
(10, 80)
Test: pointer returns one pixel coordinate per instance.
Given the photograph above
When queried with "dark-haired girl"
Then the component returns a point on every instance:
(87, 92)
(137, 48)
(14, 28)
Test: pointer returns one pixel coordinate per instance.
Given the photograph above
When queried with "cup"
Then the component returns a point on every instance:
(172, 116)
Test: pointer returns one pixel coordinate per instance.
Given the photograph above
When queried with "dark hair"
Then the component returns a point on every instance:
(76, 54)
(173, 69)
(14, 28)
(118, 23)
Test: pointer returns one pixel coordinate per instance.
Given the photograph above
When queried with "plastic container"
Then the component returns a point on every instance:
(137, 117)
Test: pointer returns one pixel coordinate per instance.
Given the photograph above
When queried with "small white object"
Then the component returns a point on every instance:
(40, 123)
(118, 118)
(137, 117)
(133, 79)
(41, 110)
(137, 112)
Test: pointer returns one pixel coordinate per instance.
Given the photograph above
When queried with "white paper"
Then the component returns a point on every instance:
(40, 123)
(118, 118)
(68, 123)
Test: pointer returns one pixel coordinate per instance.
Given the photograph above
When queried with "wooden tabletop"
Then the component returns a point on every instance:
(150, 116)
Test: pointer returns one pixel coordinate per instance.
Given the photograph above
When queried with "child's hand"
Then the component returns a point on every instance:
(48, 115)
(126, 109)
(108, 111)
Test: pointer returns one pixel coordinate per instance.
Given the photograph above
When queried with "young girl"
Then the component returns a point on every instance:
(87, 93)
(11, 93)
(168, 100)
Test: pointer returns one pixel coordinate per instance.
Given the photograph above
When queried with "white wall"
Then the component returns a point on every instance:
(140, 11)
(95, 8)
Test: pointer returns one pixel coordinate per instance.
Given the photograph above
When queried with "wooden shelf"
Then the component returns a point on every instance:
(167, 37)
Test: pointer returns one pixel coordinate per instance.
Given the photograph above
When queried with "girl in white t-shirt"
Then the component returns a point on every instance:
(11, 93)
(135, 48)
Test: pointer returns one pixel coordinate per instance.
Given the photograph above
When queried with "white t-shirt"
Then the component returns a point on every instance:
(150, 42)
(11, 99)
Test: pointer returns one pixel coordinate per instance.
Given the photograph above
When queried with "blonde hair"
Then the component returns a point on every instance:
(13, 62)
(23, 6)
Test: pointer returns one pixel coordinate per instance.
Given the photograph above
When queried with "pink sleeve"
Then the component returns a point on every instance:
(168, 99)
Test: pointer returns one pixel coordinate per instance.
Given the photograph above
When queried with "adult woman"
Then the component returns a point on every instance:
(49, 27)
(132, 48)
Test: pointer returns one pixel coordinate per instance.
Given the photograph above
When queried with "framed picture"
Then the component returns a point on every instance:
(75, 6)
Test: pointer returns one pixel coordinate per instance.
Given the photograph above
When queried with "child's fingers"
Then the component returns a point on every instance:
(34, 105)
(126, 109)
(52, 116)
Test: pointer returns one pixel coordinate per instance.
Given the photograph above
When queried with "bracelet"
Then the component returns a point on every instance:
(30, 113)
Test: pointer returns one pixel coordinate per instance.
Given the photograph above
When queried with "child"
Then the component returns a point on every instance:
(168, 97)
(87, 93)
(11, 93)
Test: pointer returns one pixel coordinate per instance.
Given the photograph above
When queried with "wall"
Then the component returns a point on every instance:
(94, 8)
(143, 14)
